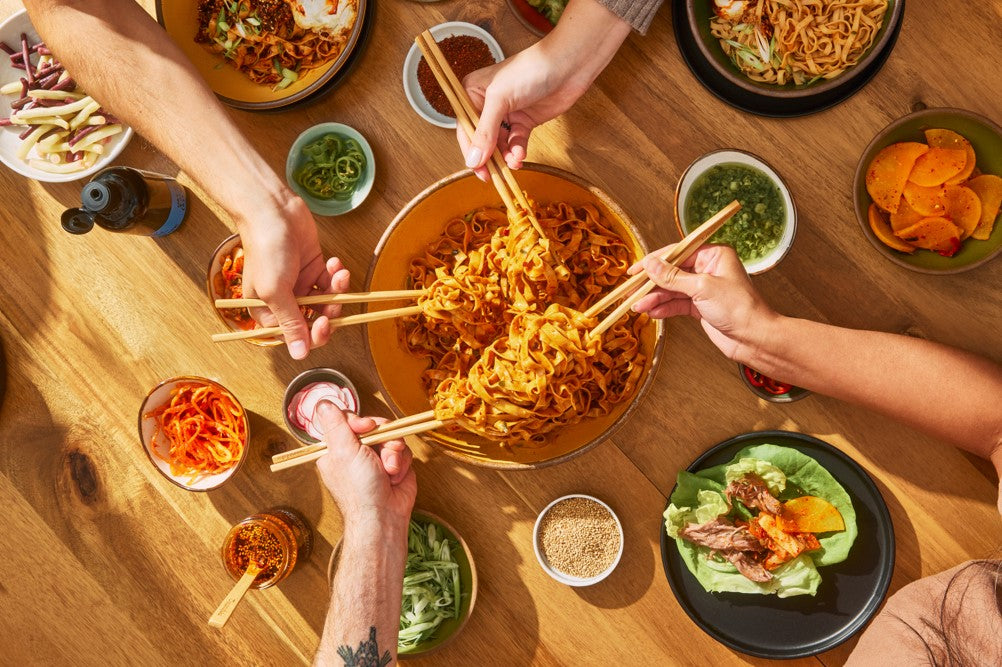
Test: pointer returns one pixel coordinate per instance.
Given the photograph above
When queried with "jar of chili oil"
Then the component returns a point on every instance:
(276, 539)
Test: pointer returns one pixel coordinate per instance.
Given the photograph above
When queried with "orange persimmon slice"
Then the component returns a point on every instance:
(988, 188)
(888, 173)
(941, 138)
(926, 201)
(905, 216)
(882, 230)
(963, 207)
(810, 514)
(936, 233)
(937, 166)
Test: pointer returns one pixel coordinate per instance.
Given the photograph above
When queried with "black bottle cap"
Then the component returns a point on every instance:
(77, 221)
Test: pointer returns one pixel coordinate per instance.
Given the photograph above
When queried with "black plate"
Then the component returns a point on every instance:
(763, 105)
(850, 593)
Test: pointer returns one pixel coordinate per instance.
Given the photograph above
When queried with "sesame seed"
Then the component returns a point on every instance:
(579, 538)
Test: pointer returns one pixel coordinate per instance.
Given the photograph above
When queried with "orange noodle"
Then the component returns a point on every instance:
(796, 41)
(262, 39)
(503, 327)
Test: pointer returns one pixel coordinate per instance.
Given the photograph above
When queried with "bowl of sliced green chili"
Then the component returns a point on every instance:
(439, 587)
(762, 231)
(331, 167)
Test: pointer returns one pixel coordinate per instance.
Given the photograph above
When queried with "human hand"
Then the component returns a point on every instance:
(283, 260)
(713, 287)
(523, 91)
(369, 484)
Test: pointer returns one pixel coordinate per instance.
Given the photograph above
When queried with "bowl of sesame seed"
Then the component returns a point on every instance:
(578, 540)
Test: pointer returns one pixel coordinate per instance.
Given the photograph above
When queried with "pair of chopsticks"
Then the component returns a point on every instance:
(637, 287)
(419, 423)
(316, 299)
(468, 118)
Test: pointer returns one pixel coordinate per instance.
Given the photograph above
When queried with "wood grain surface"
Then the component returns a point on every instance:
(106, 562)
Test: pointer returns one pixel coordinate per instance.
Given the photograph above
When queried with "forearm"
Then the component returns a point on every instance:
(944, 391)
(367, 593)
(145, 79)
(584, 41)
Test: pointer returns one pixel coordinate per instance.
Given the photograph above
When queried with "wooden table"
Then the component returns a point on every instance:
(105, 561)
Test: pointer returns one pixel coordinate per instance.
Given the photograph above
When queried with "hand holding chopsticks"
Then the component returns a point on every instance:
(637, 287)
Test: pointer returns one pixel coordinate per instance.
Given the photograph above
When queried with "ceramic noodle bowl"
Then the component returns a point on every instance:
(399, 372)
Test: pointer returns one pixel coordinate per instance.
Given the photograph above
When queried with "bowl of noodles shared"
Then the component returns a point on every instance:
(501, 351)
(265, 54)
(792, 48)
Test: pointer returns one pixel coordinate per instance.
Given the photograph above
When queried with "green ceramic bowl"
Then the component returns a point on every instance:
(699, 12)
(467, 577)
(330, 206)
(986, 138)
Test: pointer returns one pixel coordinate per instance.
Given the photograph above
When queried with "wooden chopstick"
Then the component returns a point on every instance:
(678, 253)
(369, 439)
(315, 299)
(379, 430)
(468, 118)
(363, 318)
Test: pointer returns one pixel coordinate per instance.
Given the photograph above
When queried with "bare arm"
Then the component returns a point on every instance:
(949, 393)
(145, 79)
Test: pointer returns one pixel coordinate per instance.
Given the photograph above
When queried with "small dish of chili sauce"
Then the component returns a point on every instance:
(769, 388)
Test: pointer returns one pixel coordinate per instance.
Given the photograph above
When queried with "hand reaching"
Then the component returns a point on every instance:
(713, 287)
(370, 484)
(283, 260)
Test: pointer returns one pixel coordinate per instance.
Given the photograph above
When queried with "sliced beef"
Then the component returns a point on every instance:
(754, 493)
(721, 535)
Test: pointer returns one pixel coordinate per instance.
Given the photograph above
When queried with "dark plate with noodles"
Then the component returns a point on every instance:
(501, 350)
(791, 49)
(267, 54)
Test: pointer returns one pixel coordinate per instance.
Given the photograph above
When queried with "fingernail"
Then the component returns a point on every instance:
(297, 349)
(473, 157)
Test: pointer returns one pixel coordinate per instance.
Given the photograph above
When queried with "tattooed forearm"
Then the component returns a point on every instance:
(366, 655)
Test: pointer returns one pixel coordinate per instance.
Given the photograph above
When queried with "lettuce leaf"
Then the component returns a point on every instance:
(710, 505)
(804, 476)
(770, 474)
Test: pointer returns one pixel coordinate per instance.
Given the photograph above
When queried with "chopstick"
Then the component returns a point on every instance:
(468, 118)
(678, 253)
(390, 431)
(363, 318)
(315, 299)
(379, 430)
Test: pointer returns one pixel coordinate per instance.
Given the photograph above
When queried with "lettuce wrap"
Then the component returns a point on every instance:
(699, 497)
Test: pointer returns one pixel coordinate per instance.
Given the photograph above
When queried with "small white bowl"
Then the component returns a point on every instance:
(411, 86)
(565, 578)
(10, 32)
(157, 397)
(295, 158)
(702, 164)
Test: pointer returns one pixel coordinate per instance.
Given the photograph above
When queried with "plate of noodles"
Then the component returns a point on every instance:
(501, 351)
(266, 54)
(806, 53)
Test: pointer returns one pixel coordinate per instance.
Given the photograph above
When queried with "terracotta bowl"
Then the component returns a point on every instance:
(467, 576)
(215, 288)
(398, 372)
(699, 12)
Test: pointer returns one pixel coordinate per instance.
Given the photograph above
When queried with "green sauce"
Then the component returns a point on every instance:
(754, 230)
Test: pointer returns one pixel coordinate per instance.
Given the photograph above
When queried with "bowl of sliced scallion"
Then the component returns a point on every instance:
(440, 585)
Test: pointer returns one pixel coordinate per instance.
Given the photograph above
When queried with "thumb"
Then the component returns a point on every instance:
(294, 329)
(672, 278)
(485, 139)
(341, 441)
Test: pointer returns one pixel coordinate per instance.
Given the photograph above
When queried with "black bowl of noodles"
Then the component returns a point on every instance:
(753, 57)
(451, 224)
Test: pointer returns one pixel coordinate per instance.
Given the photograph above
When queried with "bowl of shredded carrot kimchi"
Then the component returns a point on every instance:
(194, 431)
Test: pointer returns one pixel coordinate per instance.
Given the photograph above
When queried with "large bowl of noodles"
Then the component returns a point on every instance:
(400, 372)
(843, 50)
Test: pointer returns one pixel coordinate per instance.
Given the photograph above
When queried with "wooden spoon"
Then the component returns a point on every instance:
(233, 598)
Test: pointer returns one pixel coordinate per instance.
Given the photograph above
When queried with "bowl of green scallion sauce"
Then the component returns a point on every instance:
(762, 231)
(439, 587)
(331, 167)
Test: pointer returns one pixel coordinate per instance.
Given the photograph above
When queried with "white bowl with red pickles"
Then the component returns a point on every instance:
(305, 393)
(52, 130)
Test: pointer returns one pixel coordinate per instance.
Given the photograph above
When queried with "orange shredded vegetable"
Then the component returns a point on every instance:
(204, 428)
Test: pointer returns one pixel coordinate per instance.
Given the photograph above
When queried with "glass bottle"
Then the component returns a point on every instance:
(284, 529)
(122, 199)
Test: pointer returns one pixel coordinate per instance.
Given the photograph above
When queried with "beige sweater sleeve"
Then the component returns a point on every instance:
(638, 13)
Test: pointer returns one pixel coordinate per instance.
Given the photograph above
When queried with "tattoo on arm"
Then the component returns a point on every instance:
(366, 655)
